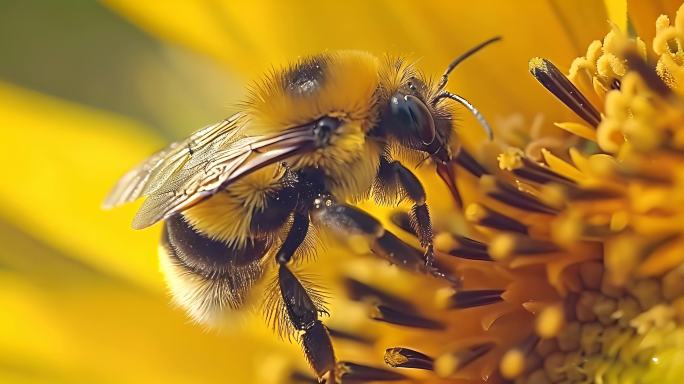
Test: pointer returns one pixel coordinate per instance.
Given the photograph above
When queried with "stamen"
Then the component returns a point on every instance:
(473, 298)
(347, 372)
(359, 291)
(467, 161)
(512, 196)
(506, 245)
(484, 216)
(393, 316)
(515, 361)
(408, 358)
(470, 249)
(533, 171)
(354, 337)
(550, 321)
(556, 82)
(449, 363)
(648, 73)
(512, 364)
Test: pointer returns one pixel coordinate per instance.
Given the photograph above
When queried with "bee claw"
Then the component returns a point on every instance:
(429, 257)
(436, 271)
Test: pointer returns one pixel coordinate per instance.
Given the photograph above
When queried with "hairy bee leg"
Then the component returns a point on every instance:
(301, 309)
(420, 214)
(295, 237)
(346, 220)
(303, 314)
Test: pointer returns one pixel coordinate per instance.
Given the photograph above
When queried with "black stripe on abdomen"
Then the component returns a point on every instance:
(204, 255)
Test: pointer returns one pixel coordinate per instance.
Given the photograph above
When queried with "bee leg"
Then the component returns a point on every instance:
(392, 171)
(302, 311)
(295, 237)
(346, 220)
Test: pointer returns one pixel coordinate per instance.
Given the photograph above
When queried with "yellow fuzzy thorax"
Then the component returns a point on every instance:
(341, 84)
(347, 84)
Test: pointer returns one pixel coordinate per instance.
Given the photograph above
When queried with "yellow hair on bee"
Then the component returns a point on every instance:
(339, 84)
(207, 301)
(227, 215)
(336, 82)
(351, 181)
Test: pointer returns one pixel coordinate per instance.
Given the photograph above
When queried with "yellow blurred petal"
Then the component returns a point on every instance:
(578, 129)
(642, 14)
(253, 37)
(65, 322)
(60, 160)
(665, 258)
(562, 167)
(617, 13)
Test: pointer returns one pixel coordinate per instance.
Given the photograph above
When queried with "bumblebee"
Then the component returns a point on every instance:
(246, 194)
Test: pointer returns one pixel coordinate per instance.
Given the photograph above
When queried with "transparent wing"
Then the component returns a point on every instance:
(151, 173)
(187, 172)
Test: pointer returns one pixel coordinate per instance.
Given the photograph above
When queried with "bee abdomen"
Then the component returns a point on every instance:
(208, 277)
(206, 256)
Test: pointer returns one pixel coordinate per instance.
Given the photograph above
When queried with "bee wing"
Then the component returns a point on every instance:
(151, 173)
(185, 173)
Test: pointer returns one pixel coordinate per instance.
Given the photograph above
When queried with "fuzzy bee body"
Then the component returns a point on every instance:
(241, 196)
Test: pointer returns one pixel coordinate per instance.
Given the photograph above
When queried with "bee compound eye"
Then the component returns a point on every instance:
(421, 118)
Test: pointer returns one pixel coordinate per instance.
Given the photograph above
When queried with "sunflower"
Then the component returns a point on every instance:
(568, 238)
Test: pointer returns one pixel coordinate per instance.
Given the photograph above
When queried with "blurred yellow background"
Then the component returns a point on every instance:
(88, 89)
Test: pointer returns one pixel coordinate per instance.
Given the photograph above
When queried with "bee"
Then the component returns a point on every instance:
(246, 194)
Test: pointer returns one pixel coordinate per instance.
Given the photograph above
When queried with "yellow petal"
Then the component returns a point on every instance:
(60, 161)
(253, 37)
(562, 167)
(578, 129)
(70, 323)
(617, 13)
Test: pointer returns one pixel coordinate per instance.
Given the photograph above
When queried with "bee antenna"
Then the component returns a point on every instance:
(480, 118)
(445, 77)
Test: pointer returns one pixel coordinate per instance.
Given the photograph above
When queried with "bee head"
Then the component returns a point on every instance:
(413, 121)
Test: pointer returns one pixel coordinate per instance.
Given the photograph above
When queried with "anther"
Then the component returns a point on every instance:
(353, 337)
(648, 73)
(508, 244)
(449, 363)
(514, 361)
(393, 316)
(486, 217)
(558, 84)
(359, 291)
(511, 196)
(470, 249)
(347, 371)
(550, 321)
(467, 161)
(408, 358)
(474, 298)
